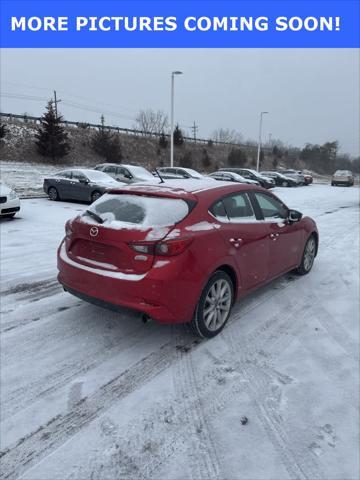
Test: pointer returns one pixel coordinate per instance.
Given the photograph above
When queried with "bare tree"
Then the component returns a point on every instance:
(226, 135)
(151, 121)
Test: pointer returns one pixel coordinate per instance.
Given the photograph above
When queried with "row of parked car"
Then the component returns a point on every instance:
(89, 184)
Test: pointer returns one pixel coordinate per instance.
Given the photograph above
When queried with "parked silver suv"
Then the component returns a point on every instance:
(296, 175)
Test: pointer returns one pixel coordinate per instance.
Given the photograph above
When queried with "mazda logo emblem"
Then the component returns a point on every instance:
(94, 231)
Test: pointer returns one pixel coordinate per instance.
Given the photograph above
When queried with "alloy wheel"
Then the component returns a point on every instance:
(217, 305)
(309, 253)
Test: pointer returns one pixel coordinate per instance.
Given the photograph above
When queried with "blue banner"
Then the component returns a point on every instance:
(179, 24)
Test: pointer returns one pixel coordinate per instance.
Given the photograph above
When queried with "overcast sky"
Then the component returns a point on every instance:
(311, 95)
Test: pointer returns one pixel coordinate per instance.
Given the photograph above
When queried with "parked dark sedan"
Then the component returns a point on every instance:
(280, 179)
(78, 184)
(250, 174)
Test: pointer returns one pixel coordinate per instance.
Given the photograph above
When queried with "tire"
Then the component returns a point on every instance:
(53, 194)
(285, 184)
(8, 215)
(332, 184)
(95, 196)
(209, 318)
(308, 257)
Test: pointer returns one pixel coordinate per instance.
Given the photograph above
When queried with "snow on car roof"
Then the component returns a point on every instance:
(181, 187)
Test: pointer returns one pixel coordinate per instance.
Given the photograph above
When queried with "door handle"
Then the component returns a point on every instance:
(236, 242)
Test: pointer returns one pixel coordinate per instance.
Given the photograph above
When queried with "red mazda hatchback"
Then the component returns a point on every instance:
(181, 255)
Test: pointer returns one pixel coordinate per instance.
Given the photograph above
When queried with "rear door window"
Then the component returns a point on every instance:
(219, 212)
(235, 208)
(110, 170)
(238, 208)
(136, 211)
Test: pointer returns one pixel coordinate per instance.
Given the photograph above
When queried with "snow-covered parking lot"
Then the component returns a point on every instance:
(91, 394)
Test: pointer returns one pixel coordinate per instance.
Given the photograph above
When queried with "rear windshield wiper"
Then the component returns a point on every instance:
(95, 216)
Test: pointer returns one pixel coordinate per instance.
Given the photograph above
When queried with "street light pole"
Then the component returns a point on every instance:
(172, 117)
(259, 144)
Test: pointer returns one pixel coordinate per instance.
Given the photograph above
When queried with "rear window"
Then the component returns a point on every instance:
(119, 211)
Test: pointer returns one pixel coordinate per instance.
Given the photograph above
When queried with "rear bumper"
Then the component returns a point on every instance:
(342, 181)
(156, 294)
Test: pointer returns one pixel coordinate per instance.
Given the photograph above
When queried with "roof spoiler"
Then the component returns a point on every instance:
(154, 191)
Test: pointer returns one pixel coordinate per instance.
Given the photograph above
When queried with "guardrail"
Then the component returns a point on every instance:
(127, 131)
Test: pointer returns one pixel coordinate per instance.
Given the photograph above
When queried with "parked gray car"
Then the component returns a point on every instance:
(78, 184)
(126, 173)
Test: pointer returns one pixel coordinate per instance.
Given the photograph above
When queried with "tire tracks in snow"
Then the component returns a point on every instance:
(184, 426)
(30, 449)
(31, 291)
(297, 461)
(30, 393)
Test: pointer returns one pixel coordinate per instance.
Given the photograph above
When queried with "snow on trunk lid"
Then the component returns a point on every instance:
(122, 221)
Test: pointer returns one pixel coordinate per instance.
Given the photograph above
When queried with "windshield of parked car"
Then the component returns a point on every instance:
(129, 211)
(192, 172)
(140, 171)
(254, 172)
(342, 173)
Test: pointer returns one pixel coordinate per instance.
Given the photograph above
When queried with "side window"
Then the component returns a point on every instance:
(218, 211)
(110, 170)
(63, 174)
(270, 207)
(238, 208)
(119, 171)
(79, 176)
(245, 174)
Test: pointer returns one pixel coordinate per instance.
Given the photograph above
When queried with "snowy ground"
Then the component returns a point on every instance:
(91, 394)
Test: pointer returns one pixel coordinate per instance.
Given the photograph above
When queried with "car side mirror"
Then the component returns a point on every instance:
(294, 216)
(84, 180)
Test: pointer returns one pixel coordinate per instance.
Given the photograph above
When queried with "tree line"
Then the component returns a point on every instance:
(52, 142)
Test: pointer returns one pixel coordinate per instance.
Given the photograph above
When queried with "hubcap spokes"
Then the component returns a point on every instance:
(309, 254)
(217, 305)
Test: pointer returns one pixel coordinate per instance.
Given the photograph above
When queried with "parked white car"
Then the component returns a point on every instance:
(9, 201)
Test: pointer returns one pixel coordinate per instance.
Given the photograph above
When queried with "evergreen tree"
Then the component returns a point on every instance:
(3, 130)
(186, 161)
(51, 137)
(163, 141)
(178, 136)
(205, 158)
(106, 144)
(237, 158)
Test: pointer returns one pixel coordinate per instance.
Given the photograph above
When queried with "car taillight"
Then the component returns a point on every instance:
(172, 247)
(143, 247)
(165, 248)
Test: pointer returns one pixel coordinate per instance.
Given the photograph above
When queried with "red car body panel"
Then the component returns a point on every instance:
(106, 269)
